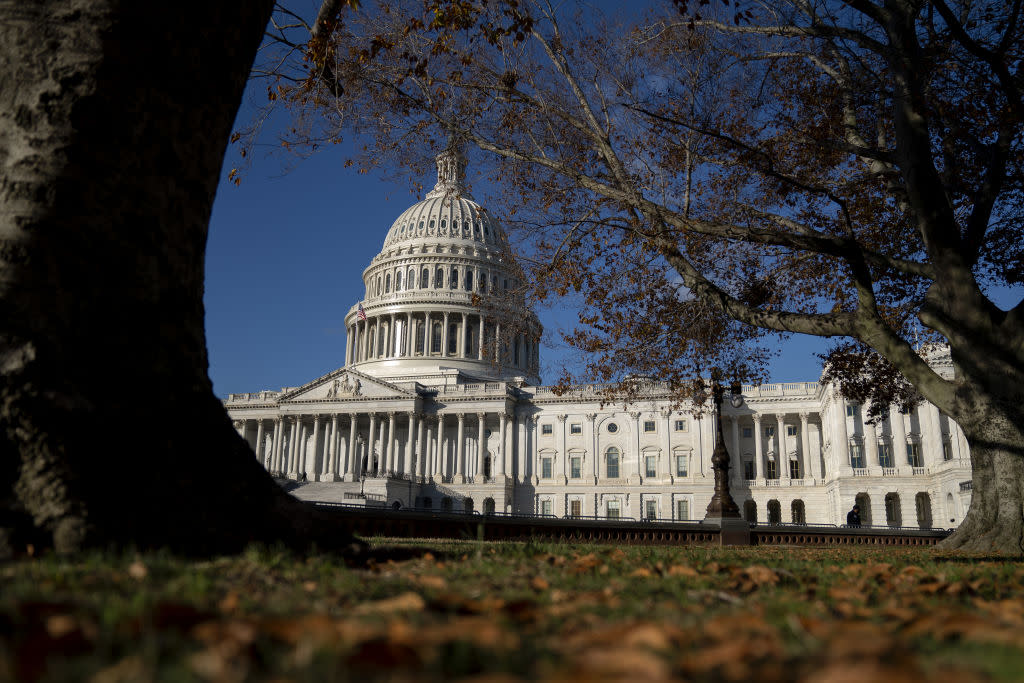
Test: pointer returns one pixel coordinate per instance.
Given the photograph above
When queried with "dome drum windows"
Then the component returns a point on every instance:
(425, 277)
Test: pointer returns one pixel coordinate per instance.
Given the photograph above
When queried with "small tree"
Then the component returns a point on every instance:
(843, 170)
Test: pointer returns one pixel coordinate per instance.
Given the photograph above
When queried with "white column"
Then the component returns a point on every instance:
(760, 463)
(421, 457)
(636, 445)
(738, 455)
(520, 473)
(461, 341)
(293, 439)
(480, 351)
(371, 444)
(300, 450)
(931, 435)
(259, 443)
(842, 434)
(481, 445)
(350, 466)
(810, 462)
(595, 457)
(460, 448)
(275, 447)
(389, 449)
(444, 335)
(667, 467)
(503, 428)
(562, 470)
(331, 473)
(780, 433)
(410, 443)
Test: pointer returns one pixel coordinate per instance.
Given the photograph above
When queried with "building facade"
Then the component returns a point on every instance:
(440, 406)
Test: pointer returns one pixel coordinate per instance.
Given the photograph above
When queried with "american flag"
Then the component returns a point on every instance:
(362, 313)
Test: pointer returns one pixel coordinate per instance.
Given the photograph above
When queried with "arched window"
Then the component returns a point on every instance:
(472, 335)
(468, 285)
(382, 336)
(863, 500)
(453, 338)
(398, 281)
(446, 502)
(798, 511)
(774, 512)
(893, 516)
(488, 506)
(431, 227)
(923, 503)
(612, 463)
(443, 224)
(421, 226)
(428, 503)
(425, 277)
(412, 278)
(419, 336)
(387, 283)
(467, 505)
(435, 338)
(439, 278)
(950, 508)
(750, 511)
(378, 286)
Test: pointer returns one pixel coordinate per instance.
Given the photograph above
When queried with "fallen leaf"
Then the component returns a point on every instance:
(137, 570)
(406, 602)
(539, 583)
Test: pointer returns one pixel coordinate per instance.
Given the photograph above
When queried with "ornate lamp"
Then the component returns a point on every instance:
(722, 505)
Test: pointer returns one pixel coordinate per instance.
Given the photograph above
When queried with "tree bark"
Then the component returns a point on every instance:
(114, 118)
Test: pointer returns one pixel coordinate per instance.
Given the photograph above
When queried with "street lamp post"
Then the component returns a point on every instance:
(722, 509)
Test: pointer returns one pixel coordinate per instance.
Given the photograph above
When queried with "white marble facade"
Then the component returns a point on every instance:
(430, 412)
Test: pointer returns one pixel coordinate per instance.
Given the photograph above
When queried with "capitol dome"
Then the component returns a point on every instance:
(444, 293)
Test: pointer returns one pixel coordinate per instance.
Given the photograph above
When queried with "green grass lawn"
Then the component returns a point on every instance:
(448, 611)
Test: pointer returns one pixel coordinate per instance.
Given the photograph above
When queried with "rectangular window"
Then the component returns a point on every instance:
(947, 451)
(680, 425)
(575, 428)
(576, 467)
(651, 465)
(856, 456)
(851, 410)
(885, 455)
(771, 470)
(613, 466)
(769, 432)
(545, 468)
(748, 432)
(914, 455)
(649, 425)
(546, 507)
(613, 509)
(790, 430)
(681, 466)
(546, 429)
(453, 338)
(794, 469)
(682, 510)
(748, 469)
(575, 508)
(651, 509)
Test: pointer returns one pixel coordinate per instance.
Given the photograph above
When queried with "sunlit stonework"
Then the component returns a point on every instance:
(439, 406)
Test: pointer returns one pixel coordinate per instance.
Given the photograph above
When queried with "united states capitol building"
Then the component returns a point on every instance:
(439, 406)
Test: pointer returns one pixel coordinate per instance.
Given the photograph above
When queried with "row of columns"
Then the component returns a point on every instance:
(810, 463)
(365, 340)
(929, 437)
(295, 446)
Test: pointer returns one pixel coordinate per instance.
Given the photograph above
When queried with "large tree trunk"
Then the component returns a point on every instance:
(114, 118)
(994, 524)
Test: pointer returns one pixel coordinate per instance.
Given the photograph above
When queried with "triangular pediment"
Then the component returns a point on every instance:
(346, 384)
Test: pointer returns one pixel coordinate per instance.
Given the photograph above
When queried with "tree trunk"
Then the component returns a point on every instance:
(994, 524)
(114, 118)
